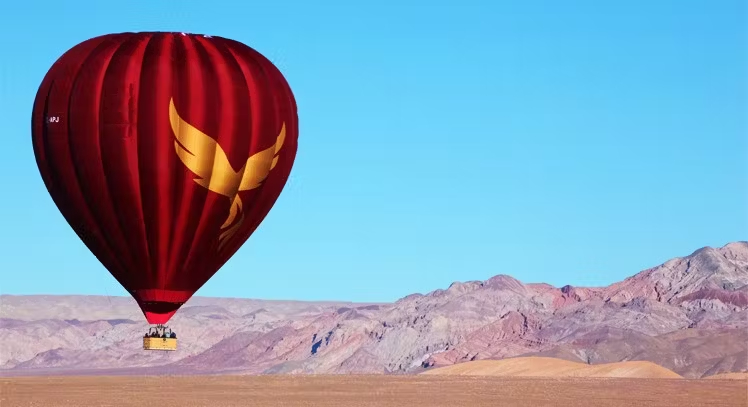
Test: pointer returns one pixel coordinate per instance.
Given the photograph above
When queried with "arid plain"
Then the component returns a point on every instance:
(367, 390)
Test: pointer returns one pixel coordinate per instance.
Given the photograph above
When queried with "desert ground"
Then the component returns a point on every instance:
(734, 376)
(367, 390)
(556, 368)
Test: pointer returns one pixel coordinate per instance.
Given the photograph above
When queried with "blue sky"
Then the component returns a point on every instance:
(573, 142)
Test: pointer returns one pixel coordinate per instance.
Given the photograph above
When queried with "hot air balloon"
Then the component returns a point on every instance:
(164, 152)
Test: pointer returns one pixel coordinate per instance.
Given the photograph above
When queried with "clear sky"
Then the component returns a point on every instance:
(573, 142)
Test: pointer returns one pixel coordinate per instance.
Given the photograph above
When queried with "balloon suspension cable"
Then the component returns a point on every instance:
(160, 330)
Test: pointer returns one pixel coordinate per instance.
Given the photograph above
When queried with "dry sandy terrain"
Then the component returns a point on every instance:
(730, 376)
(367, 391)
(555, 368)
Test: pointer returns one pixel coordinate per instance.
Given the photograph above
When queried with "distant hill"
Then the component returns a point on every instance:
(550, 367)
(689, 315)
(730, 376)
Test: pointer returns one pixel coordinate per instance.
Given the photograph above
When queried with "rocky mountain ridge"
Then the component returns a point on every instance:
(689, 315)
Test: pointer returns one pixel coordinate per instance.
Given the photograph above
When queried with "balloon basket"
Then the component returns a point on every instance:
(159, 344)
(158, 338)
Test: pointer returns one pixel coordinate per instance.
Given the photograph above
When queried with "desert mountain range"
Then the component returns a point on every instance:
(688, 315)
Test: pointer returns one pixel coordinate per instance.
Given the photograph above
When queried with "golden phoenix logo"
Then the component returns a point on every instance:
(202, 155)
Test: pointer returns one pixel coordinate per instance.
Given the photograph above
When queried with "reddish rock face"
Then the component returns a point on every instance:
(689, 314)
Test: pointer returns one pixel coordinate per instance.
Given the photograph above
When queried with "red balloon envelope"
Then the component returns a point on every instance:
(164, 152)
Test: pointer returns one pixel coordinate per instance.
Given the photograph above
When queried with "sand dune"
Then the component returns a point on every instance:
(552, 367)
(729, 376)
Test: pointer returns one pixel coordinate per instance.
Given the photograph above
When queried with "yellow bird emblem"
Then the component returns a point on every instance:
(202, 155)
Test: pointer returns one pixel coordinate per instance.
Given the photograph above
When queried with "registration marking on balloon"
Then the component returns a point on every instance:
(202, 155)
